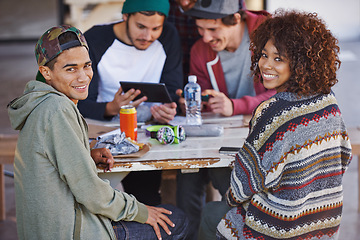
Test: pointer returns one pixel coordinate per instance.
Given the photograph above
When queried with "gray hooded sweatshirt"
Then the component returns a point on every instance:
(57, 190)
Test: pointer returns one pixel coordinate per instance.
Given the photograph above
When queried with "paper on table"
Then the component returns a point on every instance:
(138, 154)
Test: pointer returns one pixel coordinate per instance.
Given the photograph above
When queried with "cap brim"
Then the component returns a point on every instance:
(202, 14)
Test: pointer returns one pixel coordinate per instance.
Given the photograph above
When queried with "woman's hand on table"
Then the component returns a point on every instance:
(103, 158)
(156, 217)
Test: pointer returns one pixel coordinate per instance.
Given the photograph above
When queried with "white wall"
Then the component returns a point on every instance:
(342, 16)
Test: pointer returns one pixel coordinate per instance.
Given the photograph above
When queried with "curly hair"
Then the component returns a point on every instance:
(309, 46)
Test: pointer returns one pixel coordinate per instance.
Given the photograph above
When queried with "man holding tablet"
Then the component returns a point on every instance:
(142, 47)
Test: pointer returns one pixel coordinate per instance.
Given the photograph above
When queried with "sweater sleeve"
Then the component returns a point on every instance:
(68, 149)
(249, 174)
(247, 177)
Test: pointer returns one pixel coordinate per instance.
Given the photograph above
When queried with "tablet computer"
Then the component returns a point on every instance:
(155, 92)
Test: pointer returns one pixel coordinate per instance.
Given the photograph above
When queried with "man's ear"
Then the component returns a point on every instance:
(45, 71)
(237, 17)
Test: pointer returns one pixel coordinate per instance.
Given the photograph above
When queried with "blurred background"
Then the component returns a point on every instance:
(27, 19)
(23, 21)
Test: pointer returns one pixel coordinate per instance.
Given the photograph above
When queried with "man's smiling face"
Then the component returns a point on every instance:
(72, 73)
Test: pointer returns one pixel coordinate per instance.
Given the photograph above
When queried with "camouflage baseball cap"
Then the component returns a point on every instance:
(48, 46)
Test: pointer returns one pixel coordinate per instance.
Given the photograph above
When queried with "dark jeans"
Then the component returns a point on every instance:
(190, 193)
(144, 185)
(138, 231)
(219, 236)
(210, 218)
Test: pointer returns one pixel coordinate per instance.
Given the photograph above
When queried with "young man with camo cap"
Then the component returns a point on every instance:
(57, 190)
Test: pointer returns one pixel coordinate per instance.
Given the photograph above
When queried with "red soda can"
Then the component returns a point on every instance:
(128, 121)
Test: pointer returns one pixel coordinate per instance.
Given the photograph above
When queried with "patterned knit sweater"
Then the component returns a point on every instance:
(287, 179)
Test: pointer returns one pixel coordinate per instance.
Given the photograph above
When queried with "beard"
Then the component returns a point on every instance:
(132, 41)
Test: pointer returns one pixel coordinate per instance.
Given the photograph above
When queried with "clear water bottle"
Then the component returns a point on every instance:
(192, 94)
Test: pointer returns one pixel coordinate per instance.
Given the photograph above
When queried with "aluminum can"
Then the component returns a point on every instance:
(128, 121)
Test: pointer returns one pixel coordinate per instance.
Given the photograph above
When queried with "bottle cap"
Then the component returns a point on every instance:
(192, 78)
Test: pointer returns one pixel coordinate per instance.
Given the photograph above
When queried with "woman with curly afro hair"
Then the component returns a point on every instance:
(306, 44)
(287, 177)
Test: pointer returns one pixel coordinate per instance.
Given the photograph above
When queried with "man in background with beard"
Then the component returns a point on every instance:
(143, 47)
